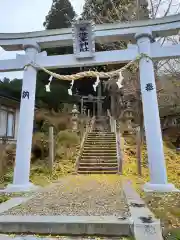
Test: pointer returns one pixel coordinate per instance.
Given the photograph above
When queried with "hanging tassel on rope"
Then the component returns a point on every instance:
(120, 79)
(48, 89)
(96, 83)
(71, 87)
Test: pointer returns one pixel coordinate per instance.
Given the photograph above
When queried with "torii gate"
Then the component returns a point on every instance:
(140, 31)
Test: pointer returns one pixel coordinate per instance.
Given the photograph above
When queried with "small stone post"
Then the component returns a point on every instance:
(51, 148)
(138, 150)
(88, 113)
(74, 118)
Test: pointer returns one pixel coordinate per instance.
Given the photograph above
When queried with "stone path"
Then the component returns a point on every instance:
(5, 237)
(90, 195)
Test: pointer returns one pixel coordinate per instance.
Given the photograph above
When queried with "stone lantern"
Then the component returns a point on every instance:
(84, 110)
(128, 117)
(74, 118)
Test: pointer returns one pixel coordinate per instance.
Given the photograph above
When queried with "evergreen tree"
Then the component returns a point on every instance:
(60, 15)
(11, 88)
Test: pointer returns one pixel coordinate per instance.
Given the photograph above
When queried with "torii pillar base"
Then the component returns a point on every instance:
(13, 188)
(168, 187)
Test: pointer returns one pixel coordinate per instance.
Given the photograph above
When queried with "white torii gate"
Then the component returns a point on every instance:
(140, 32)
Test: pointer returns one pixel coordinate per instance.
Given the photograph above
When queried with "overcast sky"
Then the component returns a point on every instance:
(25, 16)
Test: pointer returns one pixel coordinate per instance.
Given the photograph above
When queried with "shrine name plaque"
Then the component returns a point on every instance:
(83, 39)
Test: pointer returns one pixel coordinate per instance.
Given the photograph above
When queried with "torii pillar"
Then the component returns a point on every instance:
(157, 167)
(25, 130)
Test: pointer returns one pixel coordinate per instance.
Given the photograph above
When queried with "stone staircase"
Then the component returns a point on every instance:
(99, 152)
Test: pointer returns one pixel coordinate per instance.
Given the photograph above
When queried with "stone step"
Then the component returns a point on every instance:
(102, 135)
(101, 139)
(99, 144)
(105, 141)
(100, 132)
(87, 164)
(94, 144)
(86, 147)
(99, 150)
(94, 154)
(98, 168)
(94, 157)
(112, 144)
(97, 172)
(100, 163)
(66, 225)
(94, 161)
(105, 158)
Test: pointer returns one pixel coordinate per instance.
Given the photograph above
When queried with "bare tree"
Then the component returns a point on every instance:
(162, 8)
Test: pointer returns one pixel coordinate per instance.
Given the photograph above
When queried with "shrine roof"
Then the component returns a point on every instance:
(7, 96)
(7, 100)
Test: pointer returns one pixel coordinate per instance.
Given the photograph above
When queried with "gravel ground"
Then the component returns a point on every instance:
(6, 237)
(92, 195)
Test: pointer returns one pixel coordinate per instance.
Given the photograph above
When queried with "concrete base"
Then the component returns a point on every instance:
(150, 231)
(141, 229)
(150, 187)
(13, 202)
(13, 188)
(65, 225)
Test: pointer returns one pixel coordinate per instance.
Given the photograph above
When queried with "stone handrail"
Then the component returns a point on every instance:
(119, 149)
(118, 152)
(111, 121)
(89, 128)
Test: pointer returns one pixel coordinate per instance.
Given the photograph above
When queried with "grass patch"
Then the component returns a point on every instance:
(4, 198)
(65, 157)
(164, 206)
(70, 237)
(40, 174)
